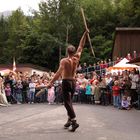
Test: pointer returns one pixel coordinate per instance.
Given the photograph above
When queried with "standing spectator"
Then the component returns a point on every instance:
(117, 60)
(18, 91)
(83, 82)
(51, 95)
(32, 86)
(98, 67)
(97, 93)
(10, 78)
(25, 83)
(129, 57)
(116, 94)
(90, 68)
(102, 65)
(88, 93)
(134, 80)
(109, 83)
(58, 94)
(84, 68)
(127, 86)
(110, 63)
(3, 100)
(40, 83)
(94, 77)
(8, 92)
(77, 91)
(94, 67)
(134, 54)
(103, 91)
(105, 64)
(79, 68)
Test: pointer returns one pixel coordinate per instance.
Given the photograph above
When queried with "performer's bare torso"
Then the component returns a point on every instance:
(69, 67)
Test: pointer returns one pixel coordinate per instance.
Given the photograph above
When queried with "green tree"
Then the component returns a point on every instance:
(17, 28)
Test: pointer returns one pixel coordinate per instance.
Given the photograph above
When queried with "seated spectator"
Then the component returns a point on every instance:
(110, 63)
(125, 103)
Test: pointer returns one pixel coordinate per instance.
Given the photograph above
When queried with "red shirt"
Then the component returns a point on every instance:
(102, 66)
(116, 90)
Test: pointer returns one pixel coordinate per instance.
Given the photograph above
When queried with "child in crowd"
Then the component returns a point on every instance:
(125, 103)
(51, 95)
(8, 92)
(88, 92)
(116, 94)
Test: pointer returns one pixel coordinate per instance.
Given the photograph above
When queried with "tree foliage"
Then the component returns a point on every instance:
(38, 39)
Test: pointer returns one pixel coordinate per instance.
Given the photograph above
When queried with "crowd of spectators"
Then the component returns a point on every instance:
(102, 65)
(122, 90)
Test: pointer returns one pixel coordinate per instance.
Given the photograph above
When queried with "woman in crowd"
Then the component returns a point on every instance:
(97, 94)
(3, 99)
(8, 92)
(103, 90)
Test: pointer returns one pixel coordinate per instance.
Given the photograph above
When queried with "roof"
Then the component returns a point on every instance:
(127, 29)
(10, 66)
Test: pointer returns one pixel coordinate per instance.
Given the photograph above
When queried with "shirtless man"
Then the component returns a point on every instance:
(67, 70)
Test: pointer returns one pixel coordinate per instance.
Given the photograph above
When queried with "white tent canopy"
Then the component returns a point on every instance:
(123, 64)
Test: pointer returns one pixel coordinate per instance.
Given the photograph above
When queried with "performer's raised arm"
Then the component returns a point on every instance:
(81, 44)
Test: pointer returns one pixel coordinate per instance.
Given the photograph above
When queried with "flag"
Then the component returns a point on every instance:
(14, 65)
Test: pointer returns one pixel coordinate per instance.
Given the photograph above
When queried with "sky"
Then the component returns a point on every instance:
(9, 5)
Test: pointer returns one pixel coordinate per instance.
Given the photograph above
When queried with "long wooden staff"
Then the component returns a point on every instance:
(83, 15)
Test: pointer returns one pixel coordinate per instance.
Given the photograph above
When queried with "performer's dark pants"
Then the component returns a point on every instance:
(68, 89)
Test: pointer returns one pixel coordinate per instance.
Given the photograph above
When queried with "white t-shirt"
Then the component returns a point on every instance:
(32, 87)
